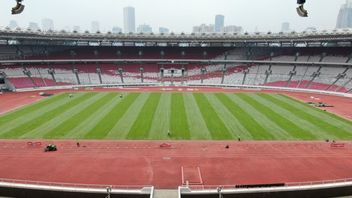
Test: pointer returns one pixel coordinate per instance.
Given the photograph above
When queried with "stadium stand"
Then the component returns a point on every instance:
(332, 78)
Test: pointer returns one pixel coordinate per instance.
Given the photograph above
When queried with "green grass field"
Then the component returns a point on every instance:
(187, 116)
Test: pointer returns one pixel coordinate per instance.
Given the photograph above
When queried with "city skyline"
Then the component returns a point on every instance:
(169, 15)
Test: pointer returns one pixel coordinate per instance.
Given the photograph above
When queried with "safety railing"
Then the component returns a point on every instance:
(72, 185)
(288, 184)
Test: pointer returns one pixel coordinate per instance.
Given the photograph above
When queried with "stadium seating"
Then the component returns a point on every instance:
(331, 78)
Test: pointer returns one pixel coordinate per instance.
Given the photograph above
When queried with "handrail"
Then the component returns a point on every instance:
(288, 184)
(73, 185)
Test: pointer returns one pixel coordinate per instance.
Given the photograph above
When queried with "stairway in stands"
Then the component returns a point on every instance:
(165, 193)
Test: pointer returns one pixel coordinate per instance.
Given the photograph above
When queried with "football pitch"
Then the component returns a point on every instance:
(177, 116)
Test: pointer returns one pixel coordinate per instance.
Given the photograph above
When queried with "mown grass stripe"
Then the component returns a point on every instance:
(294, 130)
(257, 131)
(123, 126)
(71, 122)
(161, 121)
(29, 109)
(195, 120)
(40, 131)
(331, 130)
(35, 123)
(84, 127)
(106, 124)
(305, 125)
(179, 126)
(297, 115)
(215, 125)
(231, 123)
(315, 125)
(142, 125)
(275, 130)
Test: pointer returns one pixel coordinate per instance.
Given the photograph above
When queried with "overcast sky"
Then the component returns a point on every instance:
(177, 15)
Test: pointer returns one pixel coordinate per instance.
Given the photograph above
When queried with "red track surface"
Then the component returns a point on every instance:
(11, 101)
(145, 163)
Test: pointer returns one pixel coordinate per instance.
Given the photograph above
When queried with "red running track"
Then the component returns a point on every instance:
(11, 101)
(145, 163)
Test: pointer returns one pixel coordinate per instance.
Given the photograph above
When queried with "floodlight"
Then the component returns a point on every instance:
(300, 9)
(18, 9)
(301, 1)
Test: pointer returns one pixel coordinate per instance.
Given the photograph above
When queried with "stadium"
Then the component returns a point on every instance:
(175, 115)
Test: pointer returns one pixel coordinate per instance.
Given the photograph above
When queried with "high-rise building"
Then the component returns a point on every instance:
(219, 23)
(95, 27)
(129, 20)
(233, 29)
(344, 19)
(285, 27)
(33, 26)
(203, 28)
(13, 24)
(144, 28)
(47, 24)
(163, 30)
(116, 30)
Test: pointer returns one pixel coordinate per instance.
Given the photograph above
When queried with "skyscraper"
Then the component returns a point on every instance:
(344, 19)
(129, 21)
(219, 23)
(95, 27)
(47, 24)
